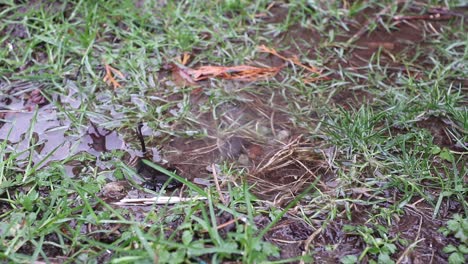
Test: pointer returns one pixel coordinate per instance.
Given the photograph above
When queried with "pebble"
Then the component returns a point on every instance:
(243, 160)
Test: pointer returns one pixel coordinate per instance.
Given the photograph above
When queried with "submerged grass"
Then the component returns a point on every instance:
(382, 142)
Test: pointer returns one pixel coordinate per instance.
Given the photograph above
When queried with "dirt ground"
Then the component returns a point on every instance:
(276, 156)
(279, 170)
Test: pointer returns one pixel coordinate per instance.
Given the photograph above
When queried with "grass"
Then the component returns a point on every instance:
(382, 140)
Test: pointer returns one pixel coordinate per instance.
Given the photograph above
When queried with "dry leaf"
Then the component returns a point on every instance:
(183, 75)
(240, 73)
(185, 58)
(109, 77)
(180, 75)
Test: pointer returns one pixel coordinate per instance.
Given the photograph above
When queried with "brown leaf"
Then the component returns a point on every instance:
(35, 97)
(180, 75)
(254, 151)
(186, 76)
(109, 77)
(240, 73)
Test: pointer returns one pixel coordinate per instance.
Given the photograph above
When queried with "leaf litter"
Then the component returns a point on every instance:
(109, 76)
(184, 75)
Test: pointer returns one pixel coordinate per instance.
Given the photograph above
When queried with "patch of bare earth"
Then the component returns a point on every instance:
(442, 131)
(286, 168)
(281, 163)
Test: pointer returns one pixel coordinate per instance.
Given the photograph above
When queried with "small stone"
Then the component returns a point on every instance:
(333, 184)
(243, 160)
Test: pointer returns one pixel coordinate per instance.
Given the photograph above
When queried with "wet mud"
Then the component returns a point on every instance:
(249, 132)
(31, 124)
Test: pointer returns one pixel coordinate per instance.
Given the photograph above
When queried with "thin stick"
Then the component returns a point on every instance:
(309, 241)
(227, 223)
(407, 250)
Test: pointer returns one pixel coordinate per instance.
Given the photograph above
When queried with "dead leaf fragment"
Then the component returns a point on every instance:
(185, 58)
(109, 77)
(35, 98)
(181, 76)
(239, 73)
(254, 151)
(187, 76)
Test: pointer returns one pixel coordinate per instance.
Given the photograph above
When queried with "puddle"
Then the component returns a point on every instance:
(25, 112)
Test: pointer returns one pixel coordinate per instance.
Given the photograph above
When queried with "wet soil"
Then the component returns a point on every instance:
(251, 133)
(442, 131)
(331, 244)
(349, 99)
(26, 108)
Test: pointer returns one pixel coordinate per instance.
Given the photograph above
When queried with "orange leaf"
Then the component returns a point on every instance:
(185, 58)
(240, 73)
(109, 77)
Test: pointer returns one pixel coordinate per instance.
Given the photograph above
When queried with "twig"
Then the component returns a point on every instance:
(309, 241)
(400, 259)
(230, 222)
(223, 225)
(157, 200)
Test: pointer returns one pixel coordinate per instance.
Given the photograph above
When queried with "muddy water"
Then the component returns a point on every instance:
(30, 123)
